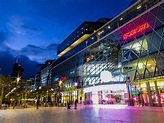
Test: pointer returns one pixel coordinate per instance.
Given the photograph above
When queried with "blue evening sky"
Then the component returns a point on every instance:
(30, 30)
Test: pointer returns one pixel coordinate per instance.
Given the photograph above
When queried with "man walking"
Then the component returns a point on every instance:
(37, 102)
(14, 103)
(76, 101)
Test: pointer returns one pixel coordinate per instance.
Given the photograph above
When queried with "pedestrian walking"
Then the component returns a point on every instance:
(76, 101)
(68, 105)
(37, 102)
(14, 103)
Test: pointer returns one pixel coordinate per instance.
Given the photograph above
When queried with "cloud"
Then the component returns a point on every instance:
(30, 67)
(23, 40)
(29, 57)
(37, 53)
(31, 29)
(23, 31)
(3, 36)
(7, 61)
(17, 24)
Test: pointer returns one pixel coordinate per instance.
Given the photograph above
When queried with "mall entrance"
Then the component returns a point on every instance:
(106, 94)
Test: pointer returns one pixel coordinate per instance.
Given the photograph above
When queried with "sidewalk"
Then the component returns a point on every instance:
(116, 107)
(17, 107)
(83, 114)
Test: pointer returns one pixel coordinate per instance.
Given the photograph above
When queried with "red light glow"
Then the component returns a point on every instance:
(63, 79)
(135, 31)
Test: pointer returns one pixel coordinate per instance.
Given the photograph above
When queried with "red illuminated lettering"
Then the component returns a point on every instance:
(135, 31)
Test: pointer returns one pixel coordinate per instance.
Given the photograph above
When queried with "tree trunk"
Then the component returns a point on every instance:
(2, 92)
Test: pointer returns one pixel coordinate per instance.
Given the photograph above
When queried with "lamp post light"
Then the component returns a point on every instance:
(18, 79)
(59, 95)
(76, 84)
(52, 89)
(60, 82)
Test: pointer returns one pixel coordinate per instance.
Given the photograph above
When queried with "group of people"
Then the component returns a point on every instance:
(37, 102)
(75, 104)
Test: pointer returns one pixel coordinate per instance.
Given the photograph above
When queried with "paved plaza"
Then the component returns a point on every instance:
(83, 114)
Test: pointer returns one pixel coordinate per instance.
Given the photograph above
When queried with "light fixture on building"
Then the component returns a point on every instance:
(75, 84)
(108, 27)
(121, 18)
(99, 33)
(140, 65)
(119, 65)
(60, 82)
(138, 7)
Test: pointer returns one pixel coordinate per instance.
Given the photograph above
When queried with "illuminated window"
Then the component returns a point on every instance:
(140, 65)
(138, 7)
(88, 58)
(99, 33)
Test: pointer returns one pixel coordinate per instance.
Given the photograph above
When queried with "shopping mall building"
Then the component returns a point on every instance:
(115, 61)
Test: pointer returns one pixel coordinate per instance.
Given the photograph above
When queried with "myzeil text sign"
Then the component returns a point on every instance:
(135, 31)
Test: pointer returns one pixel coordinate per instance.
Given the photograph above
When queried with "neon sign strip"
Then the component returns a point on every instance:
(136, 30)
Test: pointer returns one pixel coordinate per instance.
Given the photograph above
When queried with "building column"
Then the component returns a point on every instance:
(77, 93)
(149, 93)
(158, 95)
(69, 97)
(130, 101)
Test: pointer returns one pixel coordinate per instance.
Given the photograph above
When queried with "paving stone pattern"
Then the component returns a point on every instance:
(83, 114)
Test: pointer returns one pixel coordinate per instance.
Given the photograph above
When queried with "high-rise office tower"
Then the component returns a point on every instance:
(17, 71)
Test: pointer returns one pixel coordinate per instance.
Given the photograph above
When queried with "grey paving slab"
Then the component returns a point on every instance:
(83, 114)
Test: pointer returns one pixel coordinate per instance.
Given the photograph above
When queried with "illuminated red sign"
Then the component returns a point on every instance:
(135, 31)
(63, 79)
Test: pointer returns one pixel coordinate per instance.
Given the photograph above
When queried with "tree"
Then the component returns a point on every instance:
(22, 91)
(5, 82)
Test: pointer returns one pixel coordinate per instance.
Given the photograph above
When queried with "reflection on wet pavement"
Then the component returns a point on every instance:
(84, 114)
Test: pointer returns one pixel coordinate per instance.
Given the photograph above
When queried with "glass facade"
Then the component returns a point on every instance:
(142, 56)
(131, 48)
(81, 33)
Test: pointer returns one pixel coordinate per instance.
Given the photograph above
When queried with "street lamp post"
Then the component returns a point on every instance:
(59, 95)
(76, 84)
(18, 79)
